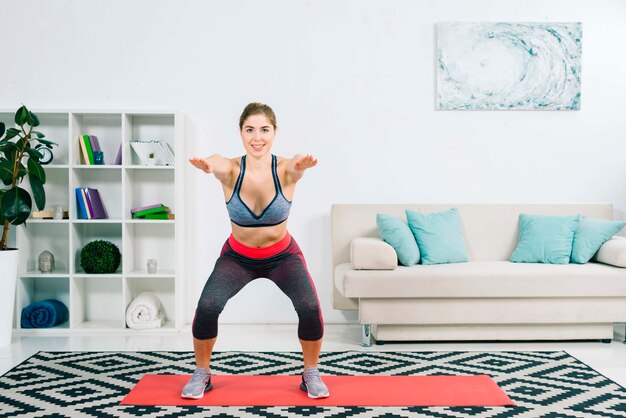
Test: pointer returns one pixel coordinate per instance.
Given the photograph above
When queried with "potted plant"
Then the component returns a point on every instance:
(18, 159)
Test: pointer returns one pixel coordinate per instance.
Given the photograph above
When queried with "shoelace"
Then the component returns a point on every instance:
(197, 375)
(312, 373)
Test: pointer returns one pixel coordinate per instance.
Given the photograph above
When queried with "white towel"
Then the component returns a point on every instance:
(144, 312)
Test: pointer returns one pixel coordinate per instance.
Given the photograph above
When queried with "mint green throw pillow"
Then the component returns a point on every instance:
(439, 236)
(590, 235)
(396, 232)
(545, 239)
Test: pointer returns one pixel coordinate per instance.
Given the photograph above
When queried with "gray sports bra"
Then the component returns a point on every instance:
(275, 213)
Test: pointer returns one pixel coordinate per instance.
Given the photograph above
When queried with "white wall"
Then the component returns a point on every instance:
(352, 82)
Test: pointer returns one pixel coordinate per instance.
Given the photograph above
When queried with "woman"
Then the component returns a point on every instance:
(258, 188)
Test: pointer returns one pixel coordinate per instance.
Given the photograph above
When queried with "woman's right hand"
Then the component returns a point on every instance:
(201, 163)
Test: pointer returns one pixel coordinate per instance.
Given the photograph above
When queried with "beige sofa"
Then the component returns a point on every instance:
(487, 298)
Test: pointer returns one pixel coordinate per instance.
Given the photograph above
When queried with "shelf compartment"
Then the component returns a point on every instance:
(163, 287)
(106, 126)
(36, 237)
(97, 303)
(85, 232)
(144, 241)
(146, 127)
(35, 289)
(57, 193)
(55, 126)
(147, 187)
(109, 185)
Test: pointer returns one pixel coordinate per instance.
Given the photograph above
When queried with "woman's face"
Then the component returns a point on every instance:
(257, 135)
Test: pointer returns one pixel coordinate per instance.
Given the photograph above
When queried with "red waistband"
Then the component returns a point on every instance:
(263, 252)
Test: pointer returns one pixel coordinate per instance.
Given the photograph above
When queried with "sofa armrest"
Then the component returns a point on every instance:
(613, 252)
(372, 254)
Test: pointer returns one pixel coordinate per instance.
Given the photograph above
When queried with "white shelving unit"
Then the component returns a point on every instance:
(97, 302)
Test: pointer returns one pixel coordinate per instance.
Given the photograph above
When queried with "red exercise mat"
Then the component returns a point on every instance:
(244, 390)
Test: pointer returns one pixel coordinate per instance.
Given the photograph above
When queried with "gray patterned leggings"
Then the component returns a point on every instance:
(233, 270)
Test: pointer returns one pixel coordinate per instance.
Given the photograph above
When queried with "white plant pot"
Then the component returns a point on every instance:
(8, 280)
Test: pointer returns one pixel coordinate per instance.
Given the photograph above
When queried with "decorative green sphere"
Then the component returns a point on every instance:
(100, 257)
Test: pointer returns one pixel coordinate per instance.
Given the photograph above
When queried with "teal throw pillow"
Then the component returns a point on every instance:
(545, 239)
(590, 235)
(439, 236)
(396, 233)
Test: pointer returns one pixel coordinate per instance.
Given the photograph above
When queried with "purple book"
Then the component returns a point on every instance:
(95, 203)
(118, 159)
(95, 144)
(139, 209)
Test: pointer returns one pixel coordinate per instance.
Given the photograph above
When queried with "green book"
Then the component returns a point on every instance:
(89, 149)
(161, 215)
(158, 209)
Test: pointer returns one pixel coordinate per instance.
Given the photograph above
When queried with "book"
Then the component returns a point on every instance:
(142, 208)
(95, 144)
(88, 147)
(170, 152)
(136, 147)
(86, 204)
(81, 212)
(118, 159)
(162, 151)
(160, 215)
(161, 209)
(95, 203)
(83, 149)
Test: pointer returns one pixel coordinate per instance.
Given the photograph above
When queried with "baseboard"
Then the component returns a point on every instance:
(487, 332)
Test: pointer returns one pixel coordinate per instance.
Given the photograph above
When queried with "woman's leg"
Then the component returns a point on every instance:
(228, 277)
(203, 349)
(311, 352)
(293, 278)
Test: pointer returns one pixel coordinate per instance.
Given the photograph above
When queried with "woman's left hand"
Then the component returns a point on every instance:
(303, 162)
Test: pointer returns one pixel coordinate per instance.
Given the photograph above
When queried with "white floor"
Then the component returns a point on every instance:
(608, 359)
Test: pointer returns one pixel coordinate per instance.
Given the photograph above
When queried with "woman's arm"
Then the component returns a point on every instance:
(297, 165)
(221, 167)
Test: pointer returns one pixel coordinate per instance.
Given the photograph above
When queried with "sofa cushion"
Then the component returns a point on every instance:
(590, 235)
(397, 233)
(439, 236)
(483, 279)
(372, 253)
(613, 252)
(545, 239)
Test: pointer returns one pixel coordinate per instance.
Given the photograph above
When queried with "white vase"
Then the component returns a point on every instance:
(8, 279)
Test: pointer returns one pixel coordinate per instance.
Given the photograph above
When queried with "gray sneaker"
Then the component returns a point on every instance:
(199, 383)
(312, 383)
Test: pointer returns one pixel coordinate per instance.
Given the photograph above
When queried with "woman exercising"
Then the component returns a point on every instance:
(258, 187)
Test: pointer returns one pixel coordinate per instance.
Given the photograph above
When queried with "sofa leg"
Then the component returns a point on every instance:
(366, 335)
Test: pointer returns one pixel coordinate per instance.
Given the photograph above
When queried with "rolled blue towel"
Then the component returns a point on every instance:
(44, 314)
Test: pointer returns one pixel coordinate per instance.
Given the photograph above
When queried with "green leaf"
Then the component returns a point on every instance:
(33, 154)
(12, 132)
(34, 119)
(21, 115)
(10, 148)
(38, 134)
(46, 142)
(6, 171)
(2, 129)
(35, 169)
(39, 193)
(16, 205)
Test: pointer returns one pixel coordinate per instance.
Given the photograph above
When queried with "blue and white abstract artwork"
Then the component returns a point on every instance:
(508, 66)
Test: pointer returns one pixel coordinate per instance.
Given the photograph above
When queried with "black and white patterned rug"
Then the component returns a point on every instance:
(92, 384)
